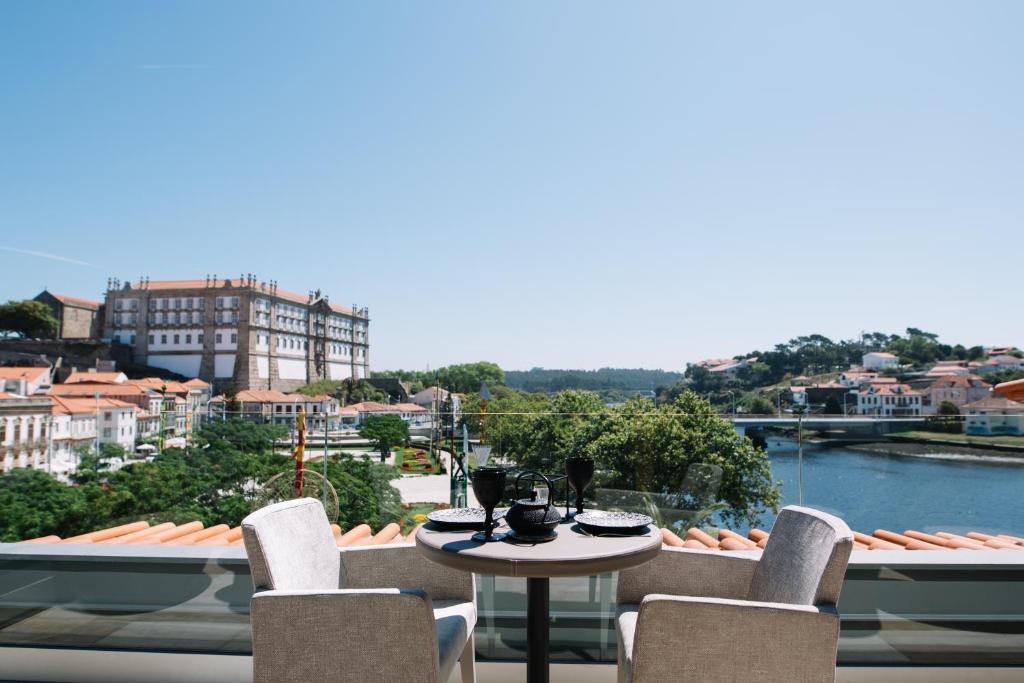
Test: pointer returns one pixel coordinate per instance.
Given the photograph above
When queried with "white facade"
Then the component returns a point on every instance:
(25, 425)
(879, 360)
(890, 400)
(117, 423)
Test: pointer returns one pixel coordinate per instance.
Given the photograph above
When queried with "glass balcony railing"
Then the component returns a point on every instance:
(711, 481)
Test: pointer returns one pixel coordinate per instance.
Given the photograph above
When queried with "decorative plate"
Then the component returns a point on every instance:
(463, 518)
(612, 521)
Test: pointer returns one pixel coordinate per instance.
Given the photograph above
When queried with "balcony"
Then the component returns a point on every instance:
(173, 604)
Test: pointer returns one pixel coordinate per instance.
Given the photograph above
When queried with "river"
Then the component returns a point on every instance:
(872, 490)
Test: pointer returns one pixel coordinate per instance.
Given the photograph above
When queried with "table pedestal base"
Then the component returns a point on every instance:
(537, 626)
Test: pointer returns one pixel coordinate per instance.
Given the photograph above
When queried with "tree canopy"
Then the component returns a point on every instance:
(348, 391)
(385, 431)
(27, 318)
(214, 481)
(462, 378)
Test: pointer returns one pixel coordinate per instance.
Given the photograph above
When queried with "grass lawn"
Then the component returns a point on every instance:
(965, 439)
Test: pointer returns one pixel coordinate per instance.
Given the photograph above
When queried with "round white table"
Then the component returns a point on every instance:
(572, 553)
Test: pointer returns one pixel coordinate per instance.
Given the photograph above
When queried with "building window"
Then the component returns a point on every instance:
(188, 338)
(219, 338)
(117, 339)
(199, 339)
(106, 432)
(132, 340)
(234, 338)
(163, 338)
(177, 338)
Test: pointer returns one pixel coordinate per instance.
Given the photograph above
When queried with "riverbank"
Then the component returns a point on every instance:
(996, 443)
(941, 451)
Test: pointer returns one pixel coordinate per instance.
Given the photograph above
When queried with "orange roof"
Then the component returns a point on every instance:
(194, 533)
(155, 383)
(262, 396)
(410, 408)
(77, 406)
(87, 389)
(1012, 390)
(24, 373)
(959, 382)
(75, 301)
(892, 390)
(374, 407)
(99, 377)
(996, 403)
(231, 282)
(196, 382)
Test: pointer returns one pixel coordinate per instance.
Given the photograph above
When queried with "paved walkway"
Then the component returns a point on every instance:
(428, 488)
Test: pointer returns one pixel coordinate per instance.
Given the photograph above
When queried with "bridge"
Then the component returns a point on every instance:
(853, 426)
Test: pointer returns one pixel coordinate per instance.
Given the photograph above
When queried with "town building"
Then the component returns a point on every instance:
(244, 332)
(77, 318)
(855, 378)
(74, 429)
(271, 406)
(995, 415)
(945, 368)
(731, 369)
(879, 360)
(889, 399)
(1003, 363)
(24, 430)
(25, 381)
(958, 390)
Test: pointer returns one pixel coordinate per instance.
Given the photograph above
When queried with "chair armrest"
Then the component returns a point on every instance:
(356, 635)
(681, 571)
(679, 638)
(402, 566)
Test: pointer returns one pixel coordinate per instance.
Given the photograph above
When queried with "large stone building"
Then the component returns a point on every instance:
(77, 318)
(242, 331)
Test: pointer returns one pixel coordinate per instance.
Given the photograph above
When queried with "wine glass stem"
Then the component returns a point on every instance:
(489, 524)
(579, 502)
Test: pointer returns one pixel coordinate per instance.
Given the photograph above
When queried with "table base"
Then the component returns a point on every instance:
(538, 620)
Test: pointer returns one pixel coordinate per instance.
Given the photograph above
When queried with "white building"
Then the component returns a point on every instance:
(879, 360)
(889, 400)
(24, 430)
(995, 415)
(25, 381)
(116, 423)
(74, 427)
(855, 378)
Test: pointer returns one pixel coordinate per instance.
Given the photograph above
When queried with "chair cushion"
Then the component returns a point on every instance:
(455, 621)
(625, 629)
(290, 547)
(807, 549)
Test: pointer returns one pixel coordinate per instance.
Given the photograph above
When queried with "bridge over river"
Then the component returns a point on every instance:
(841, 426)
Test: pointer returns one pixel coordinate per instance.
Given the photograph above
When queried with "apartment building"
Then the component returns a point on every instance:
(241, 331)
(24, 422)
(958, 390)
(889, 399)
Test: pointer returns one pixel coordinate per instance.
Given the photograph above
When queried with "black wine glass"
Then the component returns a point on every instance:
(580, 472)
(488, 487)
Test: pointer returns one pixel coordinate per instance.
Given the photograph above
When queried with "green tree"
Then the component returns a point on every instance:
(347, 391)
(644, 448)
(948, 408)
(757, 405)
(385, 432)
(27, 318)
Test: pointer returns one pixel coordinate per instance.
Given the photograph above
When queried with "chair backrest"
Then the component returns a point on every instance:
(804, 560)
(290, 546)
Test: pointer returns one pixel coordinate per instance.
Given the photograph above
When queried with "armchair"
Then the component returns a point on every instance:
(708, 616)
(354, 614)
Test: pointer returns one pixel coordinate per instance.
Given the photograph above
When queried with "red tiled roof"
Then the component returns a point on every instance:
(87, 389)
(196, 382)
(78, 406)
(410, 408)
(996, 403)
(959, 382)
(23, 373)
(155, 383)
(234, 282)
(75, 301)
(194, 533)
(99, 377)
(261, 396)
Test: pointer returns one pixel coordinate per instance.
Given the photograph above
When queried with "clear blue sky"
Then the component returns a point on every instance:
(569, 184)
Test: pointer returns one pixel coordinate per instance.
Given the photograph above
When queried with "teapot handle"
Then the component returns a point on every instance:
(547, 481)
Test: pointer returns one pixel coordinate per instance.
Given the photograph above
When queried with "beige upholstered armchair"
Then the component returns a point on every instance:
(692, 615)
(360, 614)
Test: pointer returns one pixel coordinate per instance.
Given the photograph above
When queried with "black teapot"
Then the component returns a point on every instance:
(530, 518)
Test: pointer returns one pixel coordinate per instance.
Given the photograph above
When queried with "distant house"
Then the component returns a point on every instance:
(855, 378)
(24, 381)
(890, 399)
(995, 415)
(77, 318)
(731, 368)
(879, 360)
(958, 390)
(410, 412)
(945, 368)
(1000, 364)
(427, 397)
